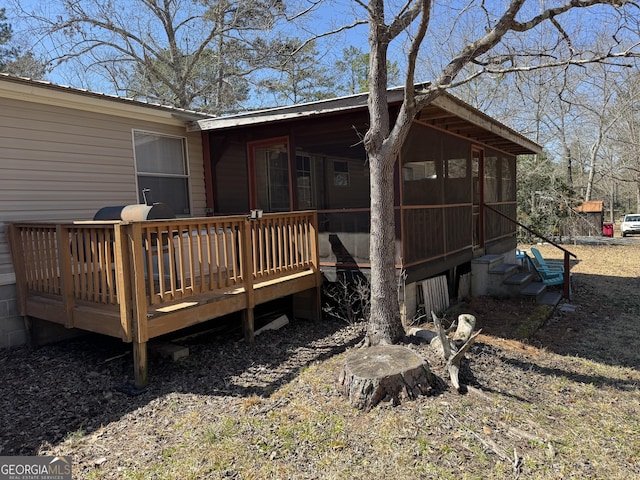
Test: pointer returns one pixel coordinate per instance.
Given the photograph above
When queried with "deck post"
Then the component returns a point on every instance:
(567, 277)
(140, 364)
(139, 295)
(315, 252)
(139, 325)
(247, 279)
(248, 325)
(123, 282)
(66, 279)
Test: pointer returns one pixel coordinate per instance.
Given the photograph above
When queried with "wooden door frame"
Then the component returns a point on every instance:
(480, 151)
(251, 167)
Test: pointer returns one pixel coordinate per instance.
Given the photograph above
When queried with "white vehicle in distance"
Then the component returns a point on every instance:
(630, 224)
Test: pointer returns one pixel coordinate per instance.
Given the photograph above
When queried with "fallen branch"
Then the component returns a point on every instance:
(453, 349)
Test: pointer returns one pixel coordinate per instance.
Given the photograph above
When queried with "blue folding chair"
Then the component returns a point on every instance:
(548, 265)
(549, 274)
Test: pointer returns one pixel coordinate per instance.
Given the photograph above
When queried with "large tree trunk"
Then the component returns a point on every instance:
(591, 178)
(384, 325)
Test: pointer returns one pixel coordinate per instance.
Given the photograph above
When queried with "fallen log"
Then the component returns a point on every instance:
(453, 349)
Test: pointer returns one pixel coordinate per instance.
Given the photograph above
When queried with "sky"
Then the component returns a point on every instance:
(318, 21)
(453, 24)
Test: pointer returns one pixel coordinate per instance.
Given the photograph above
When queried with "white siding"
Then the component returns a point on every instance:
(63, 164)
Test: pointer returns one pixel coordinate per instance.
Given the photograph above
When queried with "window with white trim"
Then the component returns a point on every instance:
(161, 166)
(340, 173)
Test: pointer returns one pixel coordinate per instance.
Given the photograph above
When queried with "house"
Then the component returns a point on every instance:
(67, 153)
(455, 182)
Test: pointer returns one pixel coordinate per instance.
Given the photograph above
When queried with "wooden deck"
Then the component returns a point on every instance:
(139, 280)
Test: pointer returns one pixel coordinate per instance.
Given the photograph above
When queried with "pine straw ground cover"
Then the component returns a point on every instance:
(564, 403)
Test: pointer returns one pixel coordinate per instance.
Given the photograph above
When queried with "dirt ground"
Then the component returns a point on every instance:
(562, 403)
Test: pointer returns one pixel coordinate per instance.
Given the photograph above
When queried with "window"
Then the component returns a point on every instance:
(457, 168)
(277, 162)
(340, 173)
(412, 171)
(303, 180)
(161, 166)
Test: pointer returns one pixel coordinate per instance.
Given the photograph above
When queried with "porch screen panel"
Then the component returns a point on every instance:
(344, 237)
(508, 186)
(492, 177)
(458, 227)
(346, 183)
(422, 170)
(423, 234)
(496, 225)
(457, 165)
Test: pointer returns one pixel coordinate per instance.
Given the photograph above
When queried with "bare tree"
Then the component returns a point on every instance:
(626, 136)
(497, 47)
(297, 74)
(186, 53)
(14, 59)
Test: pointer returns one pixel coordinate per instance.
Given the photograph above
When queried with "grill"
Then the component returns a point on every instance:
(135, 213)
(149, 210)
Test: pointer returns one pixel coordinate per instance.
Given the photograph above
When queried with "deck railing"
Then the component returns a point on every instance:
(139, 280)
(160, 261)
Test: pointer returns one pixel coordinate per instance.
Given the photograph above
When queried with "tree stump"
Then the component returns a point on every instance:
(385, 373)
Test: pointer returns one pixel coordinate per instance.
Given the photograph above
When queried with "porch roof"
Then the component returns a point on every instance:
(446, 113)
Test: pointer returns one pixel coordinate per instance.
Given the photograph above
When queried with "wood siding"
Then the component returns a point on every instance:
(231, 184)
(63, 164)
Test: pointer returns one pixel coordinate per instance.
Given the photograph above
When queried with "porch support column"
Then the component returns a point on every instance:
(248, 325)
(247, 278)
(208, 174)
(140, 364)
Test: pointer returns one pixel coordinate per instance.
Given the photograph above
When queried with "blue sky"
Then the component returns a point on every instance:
(452, 24)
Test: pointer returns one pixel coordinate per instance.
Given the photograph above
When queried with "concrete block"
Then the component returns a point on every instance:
(12, 332)
(171, 350)
(17, 338)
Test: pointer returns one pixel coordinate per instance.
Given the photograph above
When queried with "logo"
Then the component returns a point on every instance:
(35, 468)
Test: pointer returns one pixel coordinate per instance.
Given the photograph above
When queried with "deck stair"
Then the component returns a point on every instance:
(495, 275)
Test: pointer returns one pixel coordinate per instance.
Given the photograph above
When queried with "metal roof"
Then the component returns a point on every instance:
(446, 112)
(186, 114)
(592, 206)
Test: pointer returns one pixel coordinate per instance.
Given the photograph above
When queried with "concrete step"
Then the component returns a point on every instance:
(521, 279)
(482, 283)
(551, 298)
(490, 260)
(513, 284)
(504, 269)
(535, 290)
